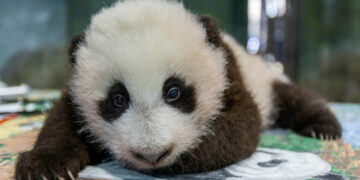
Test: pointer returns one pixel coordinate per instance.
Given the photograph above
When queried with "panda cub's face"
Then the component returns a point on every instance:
(151, 130)
(147, 82)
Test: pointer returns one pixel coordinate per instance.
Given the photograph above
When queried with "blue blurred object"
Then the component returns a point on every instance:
(349, 118)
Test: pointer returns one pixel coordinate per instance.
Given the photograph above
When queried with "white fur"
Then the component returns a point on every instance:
(141, 43)
(258, 78)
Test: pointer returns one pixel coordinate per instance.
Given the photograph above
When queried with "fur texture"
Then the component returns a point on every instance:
(142, 48)
(258, 79)
(134, 43)
(235, 132)
(59, 151)
(74, 45)
(305, 112)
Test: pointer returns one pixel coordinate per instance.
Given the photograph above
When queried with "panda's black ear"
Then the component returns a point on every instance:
(210, 25)
(74, 46)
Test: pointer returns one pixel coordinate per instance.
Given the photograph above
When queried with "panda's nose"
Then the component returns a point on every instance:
(152, 158)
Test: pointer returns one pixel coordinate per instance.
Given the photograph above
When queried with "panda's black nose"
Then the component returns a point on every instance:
(152, 158)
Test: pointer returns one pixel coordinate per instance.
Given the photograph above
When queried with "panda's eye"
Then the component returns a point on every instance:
(119, 101)
(173, 94)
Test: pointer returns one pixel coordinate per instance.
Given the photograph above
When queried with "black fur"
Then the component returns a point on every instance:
(210, 26)
(59, 148)
(74, 46)
(106, 107)
(186, 102)
(305, 112)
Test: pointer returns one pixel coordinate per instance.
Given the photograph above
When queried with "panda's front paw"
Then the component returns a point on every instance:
(46, 165)
(323, 131)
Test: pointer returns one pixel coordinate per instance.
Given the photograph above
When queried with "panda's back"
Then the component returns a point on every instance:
(258, 78)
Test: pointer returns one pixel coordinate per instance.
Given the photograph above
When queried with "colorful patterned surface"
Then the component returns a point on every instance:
(344, 158)
(265, 163)
(18, 134)
(343, 155)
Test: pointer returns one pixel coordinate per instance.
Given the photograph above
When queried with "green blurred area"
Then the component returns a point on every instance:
(231, 14)
(330, 48)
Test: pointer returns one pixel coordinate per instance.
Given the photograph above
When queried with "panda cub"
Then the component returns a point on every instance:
(166, 91)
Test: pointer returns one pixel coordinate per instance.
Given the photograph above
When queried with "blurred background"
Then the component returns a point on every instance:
(317, 41)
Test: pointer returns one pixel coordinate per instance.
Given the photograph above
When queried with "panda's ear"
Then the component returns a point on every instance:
(212, 32)
(74, 46)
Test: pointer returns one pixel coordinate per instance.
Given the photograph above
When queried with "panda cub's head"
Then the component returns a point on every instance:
(148, 81)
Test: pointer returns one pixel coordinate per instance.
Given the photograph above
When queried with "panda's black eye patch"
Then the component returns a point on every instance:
(115, 103)
(179, 95)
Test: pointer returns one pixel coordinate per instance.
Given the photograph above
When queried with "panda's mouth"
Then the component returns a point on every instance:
(152, 159)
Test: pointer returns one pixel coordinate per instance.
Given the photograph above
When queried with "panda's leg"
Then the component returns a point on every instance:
(304, 112)
(59, 151)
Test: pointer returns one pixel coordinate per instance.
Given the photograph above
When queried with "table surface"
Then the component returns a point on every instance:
(19, 134)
